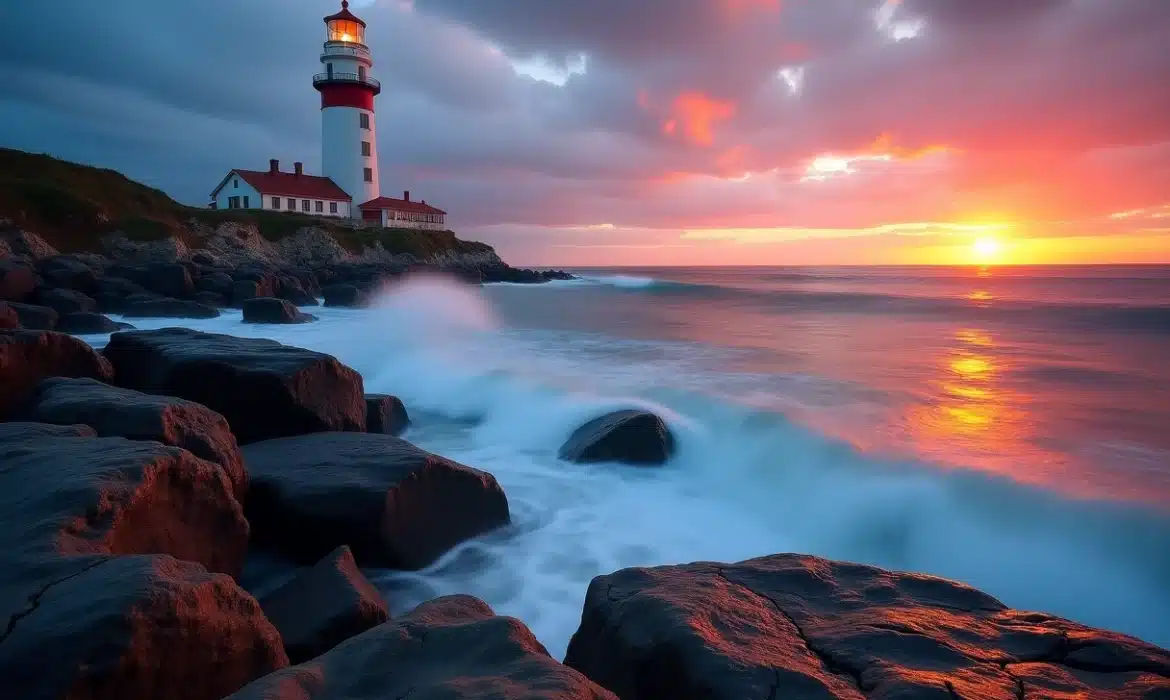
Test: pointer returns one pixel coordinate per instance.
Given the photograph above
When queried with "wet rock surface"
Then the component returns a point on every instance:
(395, 505)
(800, 626)
(272, 310)
(86, 323)
(27, 357)
(263, 388)
(323, 606)
(448, 648)
(632, 437)
(386, 414)
(168, 308)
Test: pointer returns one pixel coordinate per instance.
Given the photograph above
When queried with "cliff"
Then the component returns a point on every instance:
(81, 209)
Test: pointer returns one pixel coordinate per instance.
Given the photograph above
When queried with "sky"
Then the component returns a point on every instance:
(652, 132)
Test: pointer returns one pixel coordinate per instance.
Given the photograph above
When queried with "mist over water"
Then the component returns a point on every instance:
(1018, 456)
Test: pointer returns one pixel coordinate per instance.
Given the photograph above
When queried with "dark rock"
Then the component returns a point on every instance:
(448, 648)
(323, 606)
(270, 310)
(117, 412)
(17, 430)
(208, 298)
(68, 272)
(141, 296)
(397, 506)
(165, 279)
(298, 296)
(8, 317)
(27, 357)
(137, 627)
(17, 281)
(243, 290)
(343, 295)
(168, 308)
(385, 414)
(65, 301)
(263, 388)
(85, 323)
(111, 293)
(63, 497)
(218, 282)
(32, 317)
(633, 437)
(308, 279)
(799, 626)
(203, 259)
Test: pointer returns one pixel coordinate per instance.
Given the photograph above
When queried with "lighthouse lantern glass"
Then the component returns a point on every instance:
(346, 30)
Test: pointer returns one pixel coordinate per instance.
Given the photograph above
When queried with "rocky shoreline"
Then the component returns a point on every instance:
(138, 480)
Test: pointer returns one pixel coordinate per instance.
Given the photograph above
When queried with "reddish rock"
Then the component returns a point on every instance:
(453, 647)
(323, 606)
(8, 317)
(792, 626)
(117, 412)
(264, 389)
(395, 505)
(27, 357)
(17, 281)
(386, 414)
(137, 627)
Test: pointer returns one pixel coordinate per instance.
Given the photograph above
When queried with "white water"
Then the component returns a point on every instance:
(744, 483)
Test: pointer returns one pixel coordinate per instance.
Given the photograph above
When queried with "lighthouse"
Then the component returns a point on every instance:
(349, 133)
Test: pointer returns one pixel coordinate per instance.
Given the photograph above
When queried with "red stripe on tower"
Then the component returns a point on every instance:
(341, 95)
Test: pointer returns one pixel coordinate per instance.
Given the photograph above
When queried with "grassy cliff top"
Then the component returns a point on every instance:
(72, 206)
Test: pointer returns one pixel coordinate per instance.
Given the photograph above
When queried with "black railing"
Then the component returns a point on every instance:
(325, 78)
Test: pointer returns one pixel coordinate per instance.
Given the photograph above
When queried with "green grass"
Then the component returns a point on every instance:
(72, 206)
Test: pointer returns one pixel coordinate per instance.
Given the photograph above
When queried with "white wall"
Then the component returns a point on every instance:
(243, 190)
(390, 221)
(341, 152)
(342, 206)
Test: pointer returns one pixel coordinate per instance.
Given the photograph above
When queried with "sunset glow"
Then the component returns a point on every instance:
(986, 249)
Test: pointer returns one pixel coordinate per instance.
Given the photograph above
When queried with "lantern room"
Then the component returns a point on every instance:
(345, 26)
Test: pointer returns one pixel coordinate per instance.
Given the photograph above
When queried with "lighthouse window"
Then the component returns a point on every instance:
(369, 174)
(366, 148)
(305, 205)
(365, 120)
(319, 206)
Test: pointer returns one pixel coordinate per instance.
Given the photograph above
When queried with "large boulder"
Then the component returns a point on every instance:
(298, 296)
(9, 319)
(17, 281)
(218, 282)
(263, 388)
(27, 357)
(345, 295)
(168, 308)
(209, 298)
(633, 437)
(243, 290)
(394, 504)
(117, 412)
(452, 647)
(111, 293)
(69, 272)
(385, 414)
(799, 626)
(136, 627)
(86, 323)
(271, 310)
(33, 317)
(65, 301)
(168, 279)
(323, 606)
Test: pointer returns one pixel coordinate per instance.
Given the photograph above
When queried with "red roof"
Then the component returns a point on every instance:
(400, 205)
(290, 184)
(345, 14)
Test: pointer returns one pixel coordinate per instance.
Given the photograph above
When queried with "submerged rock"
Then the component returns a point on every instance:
(27, 357)
(452, 647)
(394, 504)
(263, 388)
(385, 414)
(272, 310)
(323, 606)
(117, 412)
(633, 437)
(799, 626)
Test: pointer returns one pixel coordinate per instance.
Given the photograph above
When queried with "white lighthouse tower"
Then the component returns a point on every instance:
(349, 138)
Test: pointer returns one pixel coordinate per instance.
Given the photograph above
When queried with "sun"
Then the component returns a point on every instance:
(986, 249)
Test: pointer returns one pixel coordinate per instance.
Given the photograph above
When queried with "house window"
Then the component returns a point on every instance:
(292, 204)
(305, 205)
(366, 148)
(233, 202)
(236, 184)
(369, 174)
(276, 202)
(246, 205)
(333, 207)
(319, 206)
(364, 118)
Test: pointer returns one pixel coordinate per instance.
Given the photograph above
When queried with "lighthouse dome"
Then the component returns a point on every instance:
(345, 26)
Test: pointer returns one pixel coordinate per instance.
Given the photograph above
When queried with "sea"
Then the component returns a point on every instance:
(1008, 427)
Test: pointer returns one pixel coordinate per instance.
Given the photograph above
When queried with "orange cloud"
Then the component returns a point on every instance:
(738, 7)
(884, 145)
(697, 116)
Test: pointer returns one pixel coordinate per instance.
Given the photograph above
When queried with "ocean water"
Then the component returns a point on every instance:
(1006, 427)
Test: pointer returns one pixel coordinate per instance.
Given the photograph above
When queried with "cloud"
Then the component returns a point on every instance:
(660, 117)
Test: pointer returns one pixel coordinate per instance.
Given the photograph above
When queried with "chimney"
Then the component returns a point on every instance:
(298, 168)
(274, 166)
(406, 196)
